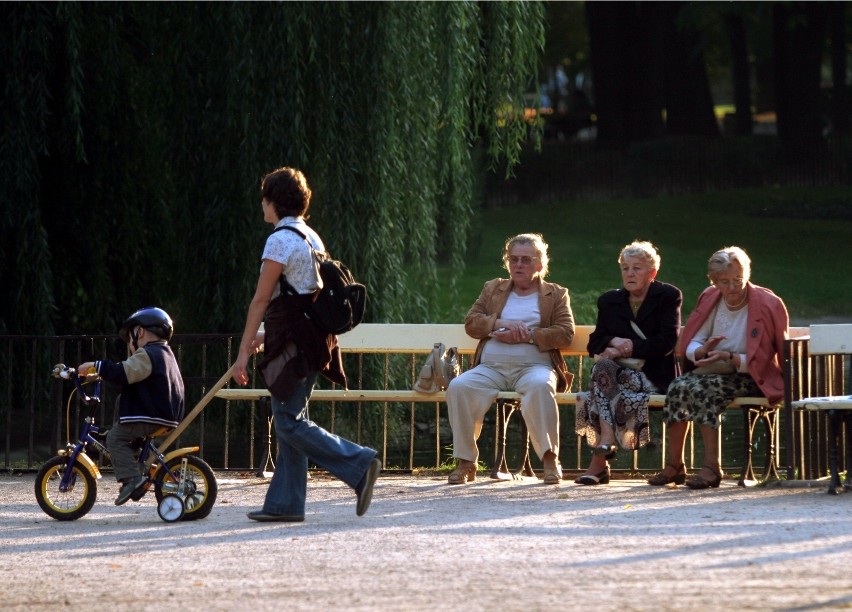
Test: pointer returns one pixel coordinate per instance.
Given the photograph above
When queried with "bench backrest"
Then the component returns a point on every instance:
(419, 338)
(830, 339)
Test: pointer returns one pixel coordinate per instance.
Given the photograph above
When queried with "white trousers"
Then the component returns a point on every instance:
(472, 393)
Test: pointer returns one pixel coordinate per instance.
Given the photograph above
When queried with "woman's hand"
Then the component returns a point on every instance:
(623, 347)
(239, 371)
(707, 353)
(714, 356)
(611, 352)
(511, 332)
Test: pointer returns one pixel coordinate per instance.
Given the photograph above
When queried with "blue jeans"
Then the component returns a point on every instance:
(301, 440)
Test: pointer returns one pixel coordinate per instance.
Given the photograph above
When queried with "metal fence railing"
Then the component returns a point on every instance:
(37, 418)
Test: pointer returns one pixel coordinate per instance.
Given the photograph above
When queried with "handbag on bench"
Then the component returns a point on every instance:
(440, 368)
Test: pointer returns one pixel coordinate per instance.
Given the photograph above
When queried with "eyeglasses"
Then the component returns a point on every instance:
(525, 259)
(732, 283)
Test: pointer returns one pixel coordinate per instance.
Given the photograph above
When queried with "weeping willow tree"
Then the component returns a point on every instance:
(135, 136)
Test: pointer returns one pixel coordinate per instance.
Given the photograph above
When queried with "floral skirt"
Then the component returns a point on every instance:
(618, 396)
(703, 398)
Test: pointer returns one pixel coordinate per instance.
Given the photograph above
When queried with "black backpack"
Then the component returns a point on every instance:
(339, 305)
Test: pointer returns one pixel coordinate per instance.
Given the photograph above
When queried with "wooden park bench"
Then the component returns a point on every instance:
(417, 340)
(827, 345)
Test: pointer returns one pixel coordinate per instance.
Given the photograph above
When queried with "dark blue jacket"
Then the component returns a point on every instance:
(151, 385)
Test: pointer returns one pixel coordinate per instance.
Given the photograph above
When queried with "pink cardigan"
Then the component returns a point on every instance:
(768, 324)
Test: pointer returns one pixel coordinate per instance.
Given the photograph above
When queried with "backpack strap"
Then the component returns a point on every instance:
(295, 231)
(286, 287)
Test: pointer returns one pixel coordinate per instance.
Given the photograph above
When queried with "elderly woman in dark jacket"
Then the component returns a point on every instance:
(633, 346)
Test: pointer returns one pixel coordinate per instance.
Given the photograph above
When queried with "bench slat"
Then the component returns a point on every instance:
(392, 395)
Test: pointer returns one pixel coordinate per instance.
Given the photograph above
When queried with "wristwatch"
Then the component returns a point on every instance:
(532, 337)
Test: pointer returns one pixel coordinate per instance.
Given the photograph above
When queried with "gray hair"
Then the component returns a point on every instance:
(641, 249)
(723, 259)
(537, 243)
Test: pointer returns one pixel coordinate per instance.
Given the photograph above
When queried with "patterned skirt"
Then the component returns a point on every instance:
(703, 398)
(618, 396)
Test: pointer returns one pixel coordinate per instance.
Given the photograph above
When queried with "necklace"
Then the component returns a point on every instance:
(735, 306)
(635, 306)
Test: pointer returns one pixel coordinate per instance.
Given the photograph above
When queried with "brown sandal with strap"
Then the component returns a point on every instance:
(699, 482)
(662, 478)
(463, 473)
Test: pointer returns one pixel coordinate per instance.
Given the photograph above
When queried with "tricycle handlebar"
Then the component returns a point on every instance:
(64, 372)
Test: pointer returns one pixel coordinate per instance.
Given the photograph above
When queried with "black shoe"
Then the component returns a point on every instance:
(139, 493)
(364, 490)
(128, 488)
(600, 478)
(266, 517)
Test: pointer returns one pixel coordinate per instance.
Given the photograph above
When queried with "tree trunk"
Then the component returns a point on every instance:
(798, 38)
(689, 102)
(626, 58)
(740, 74)
(840, 108)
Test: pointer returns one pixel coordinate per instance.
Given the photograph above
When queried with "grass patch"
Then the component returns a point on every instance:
(799, 240)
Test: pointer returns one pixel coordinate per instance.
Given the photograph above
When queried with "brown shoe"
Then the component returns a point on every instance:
(699, 482)
(465, 472)
(679, 477)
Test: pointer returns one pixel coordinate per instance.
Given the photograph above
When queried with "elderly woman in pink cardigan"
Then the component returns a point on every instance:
(733, 345)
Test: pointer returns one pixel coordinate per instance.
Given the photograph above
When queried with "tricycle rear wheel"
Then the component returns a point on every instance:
(200, 488)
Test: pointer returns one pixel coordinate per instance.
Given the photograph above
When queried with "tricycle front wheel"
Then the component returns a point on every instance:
(67, 505)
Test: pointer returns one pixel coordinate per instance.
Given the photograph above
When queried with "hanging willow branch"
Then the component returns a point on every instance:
(138, 140)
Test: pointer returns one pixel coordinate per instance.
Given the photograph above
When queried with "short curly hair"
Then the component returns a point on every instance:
(724, 258)
(538, 244)
(641, 249)
(288, 192)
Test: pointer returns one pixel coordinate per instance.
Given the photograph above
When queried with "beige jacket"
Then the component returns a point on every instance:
(555, 332)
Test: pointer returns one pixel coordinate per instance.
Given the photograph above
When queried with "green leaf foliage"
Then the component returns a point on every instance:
(135, 136)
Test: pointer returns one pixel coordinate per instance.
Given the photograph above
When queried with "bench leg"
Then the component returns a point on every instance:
(835, 425)
(526, 466)
(268, 467)
(505, 410)
(751, 417)
(847, 482)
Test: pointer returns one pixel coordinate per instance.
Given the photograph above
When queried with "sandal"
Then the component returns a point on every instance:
(699, 482)
(662, 478)
(601, 478)
(462, 474)
(552, 475)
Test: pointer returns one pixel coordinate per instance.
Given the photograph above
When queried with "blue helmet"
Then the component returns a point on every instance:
(153, 319)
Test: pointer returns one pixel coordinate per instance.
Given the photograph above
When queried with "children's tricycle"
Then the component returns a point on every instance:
(66, 486)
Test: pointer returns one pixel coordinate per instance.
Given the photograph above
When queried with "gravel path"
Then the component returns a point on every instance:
(424, 546)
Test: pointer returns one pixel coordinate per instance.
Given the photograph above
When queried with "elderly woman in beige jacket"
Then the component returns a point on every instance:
(521, 323)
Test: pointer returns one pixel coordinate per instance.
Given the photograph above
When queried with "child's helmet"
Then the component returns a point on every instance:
(151, 318)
